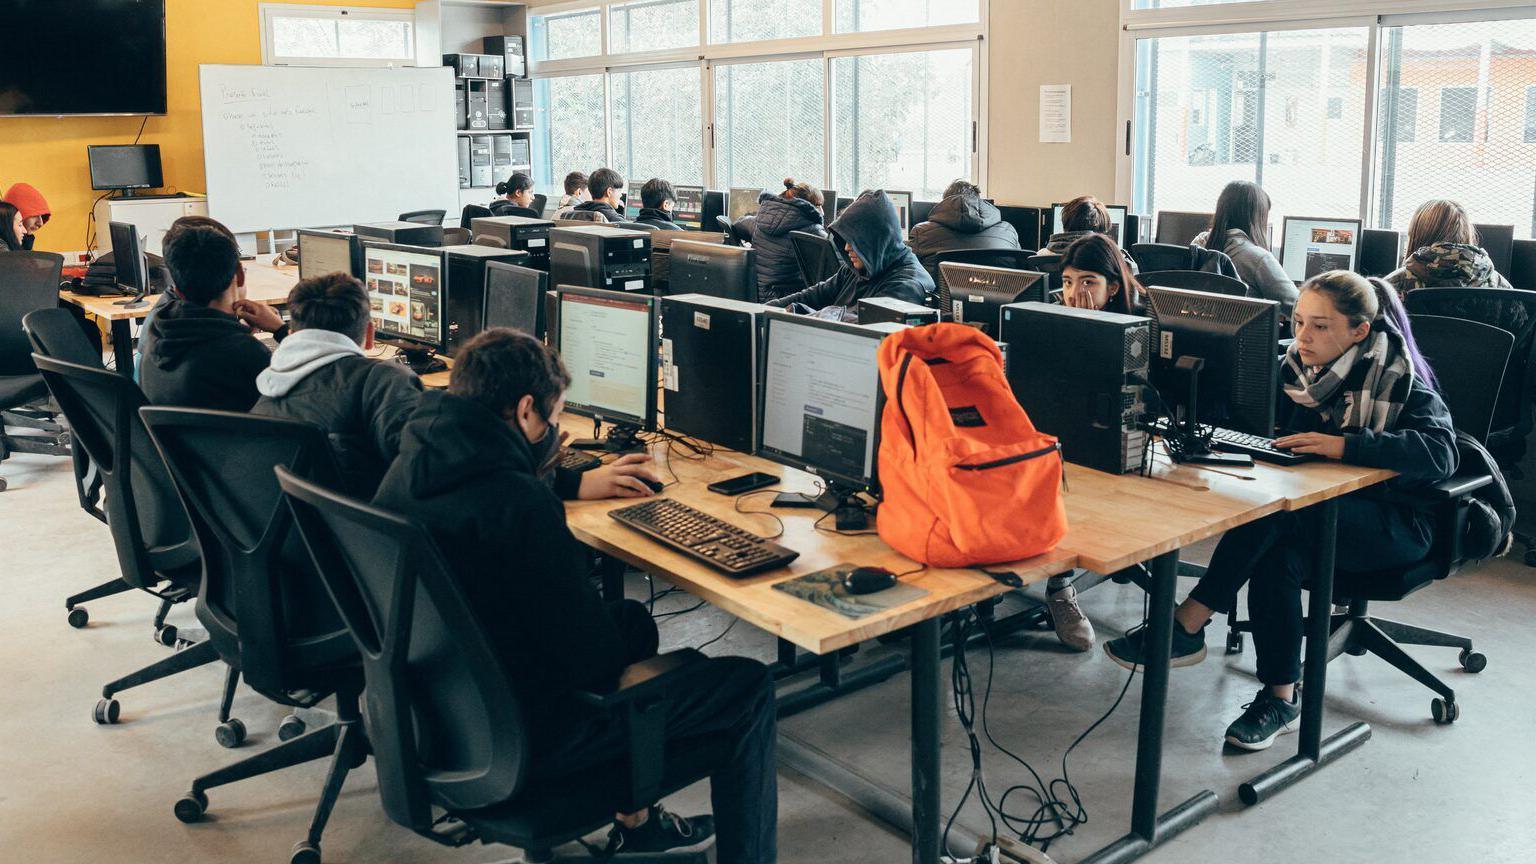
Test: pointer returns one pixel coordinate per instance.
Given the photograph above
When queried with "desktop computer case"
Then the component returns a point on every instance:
(623, 256)
(465, 284)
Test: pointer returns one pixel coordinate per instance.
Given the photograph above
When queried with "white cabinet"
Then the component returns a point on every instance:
(151, 215)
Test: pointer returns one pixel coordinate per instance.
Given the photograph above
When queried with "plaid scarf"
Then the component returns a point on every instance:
(1365, 388)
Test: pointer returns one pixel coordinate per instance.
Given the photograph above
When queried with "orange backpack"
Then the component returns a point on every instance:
(965, 478)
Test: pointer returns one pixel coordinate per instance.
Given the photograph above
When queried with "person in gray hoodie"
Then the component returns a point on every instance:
(961, 221)
(875, 261)
(1240, 228)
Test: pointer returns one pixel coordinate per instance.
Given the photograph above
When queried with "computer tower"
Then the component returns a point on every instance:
(877, 310)
(522, 154)
(709, 368)
(522, 104)
(510, 49)
(464, 65)
(479, 119)
(480, 167)
(464, 285)
(492, 66)
(403, 233)
(599, 256)
(463, 161)
(501, 157)
(519, 232)
(496, 104)
(514, 297)
(1071, 369)
(1381, 251)
(460, 103)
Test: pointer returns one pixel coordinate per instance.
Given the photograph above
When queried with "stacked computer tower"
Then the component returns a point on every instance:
(493, 105)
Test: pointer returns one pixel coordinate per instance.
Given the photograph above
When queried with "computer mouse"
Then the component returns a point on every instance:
(868, 580)
(655, 485)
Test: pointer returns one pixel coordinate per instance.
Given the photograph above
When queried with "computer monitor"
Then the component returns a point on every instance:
(608, 342)
(1220, 348)
(689, 212)
(405, 297)
(661, 254)
(1499, 242)
(632, 201)
(743, 202)
(1025, 221)
(1117, 213)
(514, 297)
(713, 269)
(1313, 246)
(714, 205)
(903, 202)
(828, 205)
(124, 166)
(323, 252)
(1180, 227)
(978, 293)
(128, 258)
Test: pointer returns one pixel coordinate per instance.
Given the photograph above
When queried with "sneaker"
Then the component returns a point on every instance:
(1130, 650)
(662, 832)
(1073, 629)
(1264, 719)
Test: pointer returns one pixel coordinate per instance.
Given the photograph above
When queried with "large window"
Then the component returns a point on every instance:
(656, 125)
(769, 123)
(902, 121)
(331, 36)
(652, 25)
(566, 34)
(569, 120)
(754, 20)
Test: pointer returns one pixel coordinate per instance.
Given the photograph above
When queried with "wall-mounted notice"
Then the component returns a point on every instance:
(1055, 113)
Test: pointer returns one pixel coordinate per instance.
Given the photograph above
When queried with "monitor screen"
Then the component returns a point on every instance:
(1179, 227)
(323, 252)
(83, 57)
(632, 201)
(903, 202)
(690, 207)
(743, 202)
(828, 205)
(125, 166)
(514, 297)
(405, 292)
(1313, 246)
(1116, 218)
(608, 342)
(821, 387)
(127, 246)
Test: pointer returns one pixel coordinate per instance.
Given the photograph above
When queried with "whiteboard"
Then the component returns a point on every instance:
(301, 147)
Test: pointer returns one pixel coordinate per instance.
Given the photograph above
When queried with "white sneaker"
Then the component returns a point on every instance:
(1073, 628)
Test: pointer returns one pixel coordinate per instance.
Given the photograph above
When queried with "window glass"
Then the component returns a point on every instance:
(341, 38)
(657, 122)
(568, 34)
(856, 16)
(901, 121)
(752, 20)
(768, 124)
(568, 127)
(652, 25)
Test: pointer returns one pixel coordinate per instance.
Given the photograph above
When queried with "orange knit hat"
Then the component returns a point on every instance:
(28, 200)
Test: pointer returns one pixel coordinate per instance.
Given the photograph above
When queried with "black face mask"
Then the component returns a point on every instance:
(546, 450)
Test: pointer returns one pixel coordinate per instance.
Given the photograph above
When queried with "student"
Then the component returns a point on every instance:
(797, 208)
(1357, 389)
(197, 350)
(1096, 275)
(1443, 252)
(1240, 228)
(875, 262)
(13, 229)
(470, 468)
(657, 201)
(517, 197)
(35, 211)
(606, 187)
(961, 221)
(575, 193)
(1081, 217)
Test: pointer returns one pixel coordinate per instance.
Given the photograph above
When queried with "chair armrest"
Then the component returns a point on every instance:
(1436, 494)
(644, 680)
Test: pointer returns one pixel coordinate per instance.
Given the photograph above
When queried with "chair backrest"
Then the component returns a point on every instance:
(635, 226)
(1507, 309)
(1469, 359)
(540, 201)
(1048, 263)
(1159, 257)
(260, 598)
(1013, 259)
(1194, 280)
(55, 333)
(456, 236)
(444, 721)
(816, 256)
(425, 217)
(149, 526)
(472, 212)
(1522, 265)
(28, 281)
(583, 216)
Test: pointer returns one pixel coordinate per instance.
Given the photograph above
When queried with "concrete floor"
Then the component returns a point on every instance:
(71, 791)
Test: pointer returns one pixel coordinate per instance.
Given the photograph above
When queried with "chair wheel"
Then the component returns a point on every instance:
(191, 807)
(304, 852)
(106, 712)
(230, 734)
(1234, 643)
(1444, 712)
(1530, 557)
(291, 728)
(1472, 661)
(166, 635)
(78, 617)
(1355, 651)
(2, 484)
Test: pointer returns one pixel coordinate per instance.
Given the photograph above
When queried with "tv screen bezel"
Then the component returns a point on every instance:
(165, 95)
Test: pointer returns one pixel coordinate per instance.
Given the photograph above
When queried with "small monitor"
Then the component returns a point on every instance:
(632, 201)
(828, 205)
(1236, 339)
(978, 293)
(608, 342)
(1025, 221)
(1179, 227)
(1499, 242)
(712, 269)
(689, 212)
(1313, 246)
(903, 202)
(821, 397)
(514, 297)
(1117, 214)
(124, 166)
(743, 202)
(405, 293)
(128, 257)
(323, 252)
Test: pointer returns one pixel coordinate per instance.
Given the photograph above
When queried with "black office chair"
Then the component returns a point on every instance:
(1522, 265)
(444, 719)
(540, 201)
(1048, 263)
(28, 281)
(1013, 259)
(473, 212)
(1194, 280)
(1463, 354)
(583, 216)
(456, 236)
(1159, 257)
(635, 226)
(816, 256)
(425, 217)
(156, 550)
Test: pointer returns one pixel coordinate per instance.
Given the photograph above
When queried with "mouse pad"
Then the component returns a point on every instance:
(824, 588)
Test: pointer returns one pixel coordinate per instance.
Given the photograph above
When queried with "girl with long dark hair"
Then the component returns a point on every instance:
(1240, 228)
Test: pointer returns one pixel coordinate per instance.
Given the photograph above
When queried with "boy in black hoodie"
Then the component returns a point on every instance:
(876, 263)
(198, 350)
(471, 468)
(605, 184)
(963, 220)
(657, 200)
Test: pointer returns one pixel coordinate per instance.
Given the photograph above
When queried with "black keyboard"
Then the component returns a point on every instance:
(701, 536)
(575, 460)
(1257, 446)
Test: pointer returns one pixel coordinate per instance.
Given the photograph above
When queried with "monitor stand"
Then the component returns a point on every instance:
(852, 513)
(422, 361)
(137, 301)
(621, 438)
(1194, 447)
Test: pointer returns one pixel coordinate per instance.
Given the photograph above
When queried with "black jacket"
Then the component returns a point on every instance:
(1421, 449)
(503, 207)
(469, 478)
(661, 220)
(960, 222)
(194, 356)
(601, 208)
(870, 225)
(778, 270)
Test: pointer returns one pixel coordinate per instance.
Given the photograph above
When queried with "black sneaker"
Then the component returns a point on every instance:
(1130, 650)
(1264, 719)
(662, 832)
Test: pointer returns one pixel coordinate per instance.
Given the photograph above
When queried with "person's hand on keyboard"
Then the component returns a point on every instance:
(621, 478)
(1317, 443)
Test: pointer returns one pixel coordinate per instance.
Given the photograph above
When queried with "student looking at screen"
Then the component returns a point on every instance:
(516, 197)
(1443, 252)
(1240, 228)
(797, 208)
(575, 193)
(13, 229)
(962, 220)
(657, 201)
(1080, 218)
(1356, 389)
(875, 261)
(606, 187)
(34, 210)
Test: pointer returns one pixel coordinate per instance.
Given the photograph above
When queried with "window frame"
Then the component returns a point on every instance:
(268, 12)
(1528, 130)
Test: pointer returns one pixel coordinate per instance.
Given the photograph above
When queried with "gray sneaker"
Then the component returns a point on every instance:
(1073, 628)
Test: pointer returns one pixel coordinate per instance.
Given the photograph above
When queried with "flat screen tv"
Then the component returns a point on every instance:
(82, 57)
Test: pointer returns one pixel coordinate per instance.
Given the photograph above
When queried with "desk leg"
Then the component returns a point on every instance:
(122, 346)
(1312, 752)
(1148, 829)
(925, 742)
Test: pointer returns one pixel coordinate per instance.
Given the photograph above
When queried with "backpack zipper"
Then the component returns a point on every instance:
(1021, 457)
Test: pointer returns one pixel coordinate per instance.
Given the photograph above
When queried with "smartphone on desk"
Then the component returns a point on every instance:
(743, 484)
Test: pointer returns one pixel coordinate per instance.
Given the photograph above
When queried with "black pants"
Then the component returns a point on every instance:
(1274, 555)
(731, 696)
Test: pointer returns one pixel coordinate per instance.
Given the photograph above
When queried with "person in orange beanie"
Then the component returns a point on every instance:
(33, 206)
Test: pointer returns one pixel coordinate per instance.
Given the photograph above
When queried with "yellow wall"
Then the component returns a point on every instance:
(49, 153)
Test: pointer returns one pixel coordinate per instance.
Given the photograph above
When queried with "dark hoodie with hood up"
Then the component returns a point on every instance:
(194, 356)
(469, 478)
(963, 221)
(870, 225)
(778, 270)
